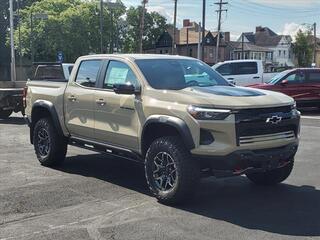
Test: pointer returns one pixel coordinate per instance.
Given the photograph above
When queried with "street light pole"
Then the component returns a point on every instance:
(13, 59)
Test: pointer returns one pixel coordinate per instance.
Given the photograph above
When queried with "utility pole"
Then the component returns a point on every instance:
(315, 42)
(144, 2)
(220, 3)
(13, 59)
(174, 27)
(203, 28)
(242, 46)
(101, 26)
(19, 32)
(199, 43)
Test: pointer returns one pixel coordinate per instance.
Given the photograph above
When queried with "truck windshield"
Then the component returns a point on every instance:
(177, 74)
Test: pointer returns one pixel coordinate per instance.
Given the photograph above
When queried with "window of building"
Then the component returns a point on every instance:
(88, 73)
(284, 53)
(279, 53)
(190, 52)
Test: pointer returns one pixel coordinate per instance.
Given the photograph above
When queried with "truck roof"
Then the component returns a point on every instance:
(136, 56)
(243, 60)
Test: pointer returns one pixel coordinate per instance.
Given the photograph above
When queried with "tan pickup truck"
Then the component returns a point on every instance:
(176, 115)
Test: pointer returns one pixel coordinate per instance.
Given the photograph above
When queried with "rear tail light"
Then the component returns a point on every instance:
(24, 97)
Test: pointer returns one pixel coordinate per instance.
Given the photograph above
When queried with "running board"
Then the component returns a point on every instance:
(106, 149)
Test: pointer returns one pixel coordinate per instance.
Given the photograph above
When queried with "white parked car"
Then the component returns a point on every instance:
(243, 72)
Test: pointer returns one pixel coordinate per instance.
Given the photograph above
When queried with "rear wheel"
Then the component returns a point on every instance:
(170, 171)
(4, 114)
(271, 177)
(50, 148)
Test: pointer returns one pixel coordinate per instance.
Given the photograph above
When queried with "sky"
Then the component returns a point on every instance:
(282, 16)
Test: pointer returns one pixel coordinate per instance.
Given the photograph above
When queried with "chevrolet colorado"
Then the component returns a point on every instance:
(176, 115)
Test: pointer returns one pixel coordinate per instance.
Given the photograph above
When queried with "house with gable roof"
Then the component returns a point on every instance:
(277, 49)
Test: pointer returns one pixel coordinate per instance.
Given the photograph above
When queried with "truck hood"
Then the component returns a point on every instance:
(226, 97)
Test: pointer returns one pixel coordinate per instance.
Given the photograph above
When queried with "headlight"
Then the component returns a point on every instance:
(202, 113)
(294, 106)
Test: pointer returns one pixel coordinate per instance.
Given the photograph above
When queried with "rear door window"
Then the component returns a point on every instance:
(245, 68)
(314, 77)
(88, 73)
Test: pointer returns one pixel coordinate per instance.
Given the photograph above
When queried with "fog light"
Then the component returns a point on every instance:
(206, 137)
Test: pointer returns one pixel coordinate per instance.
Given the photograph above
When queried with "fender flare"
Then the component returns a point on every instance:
(53, 114)
(175, 122)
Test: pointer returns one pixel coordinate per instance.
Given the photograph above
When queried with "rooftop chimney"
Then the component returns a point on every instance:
(259, 29)
(186, 22)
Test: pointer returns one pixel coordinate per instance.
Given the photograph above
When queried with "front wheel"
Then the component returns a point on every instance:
(171, 173)
(271, 177)
(49, 147)
(4, 114)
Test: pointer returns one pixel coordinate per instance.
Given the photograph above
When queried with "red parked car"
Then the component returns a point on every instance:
(303, 84)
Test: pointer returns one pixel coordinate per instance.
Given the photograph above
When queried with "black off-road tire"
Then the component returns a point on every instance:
(57, 145)
(187, 171)
(272, 177)
(4, 114)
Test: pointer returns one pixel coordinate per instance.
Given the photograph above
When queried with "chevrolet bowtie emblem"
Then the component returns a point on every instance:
(274, 120)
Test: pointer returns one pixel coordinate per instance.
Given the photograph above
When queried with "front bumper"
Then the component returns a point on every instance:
(246, 161)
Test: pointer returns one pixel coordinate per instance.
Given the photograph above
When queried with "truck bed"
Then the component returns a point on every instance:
(11, 95)
(48, 91)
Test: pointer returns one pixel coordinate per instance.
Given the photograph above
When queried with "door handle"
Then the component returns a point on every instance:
(72, 98)
(230, 78)
(101, 102)
(256, 77)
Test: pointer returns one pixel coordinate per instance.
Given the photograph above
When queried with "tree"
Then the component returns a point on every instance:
(155, 25)
(72, 27)
(4, 26)
(303, 48)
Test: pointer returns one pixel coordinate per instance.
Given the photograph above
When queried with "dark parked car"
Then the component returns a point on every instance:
(303, 84)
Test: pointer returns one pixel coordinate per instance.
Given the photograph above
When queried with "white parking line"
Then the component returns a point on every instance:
(311, 117)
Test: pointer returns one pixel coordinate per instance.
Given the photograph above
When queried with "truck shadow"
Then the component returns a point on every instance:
(285, 209)
(13, 120)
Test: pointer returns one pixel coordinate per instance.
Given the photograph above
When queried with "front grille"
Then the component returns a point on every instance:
(251, 123)
(290, 135)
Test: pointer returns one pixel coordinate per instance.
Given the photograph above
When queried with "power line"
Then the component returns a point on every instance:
(220, 4)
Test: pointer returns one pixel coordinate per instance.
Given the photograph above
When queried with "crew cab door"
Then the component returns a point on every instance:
(312, 86)
(79, 99)
(242, 73)
(116, 115)
(293, 85)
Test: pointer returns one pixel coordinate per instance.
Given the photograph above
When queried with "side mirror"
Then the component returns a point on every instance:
(231, 82)
(127, 89)
(284, 82)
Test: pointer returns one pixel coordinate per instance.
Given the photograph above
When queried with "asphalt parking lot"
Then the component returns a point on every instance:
(93, 196)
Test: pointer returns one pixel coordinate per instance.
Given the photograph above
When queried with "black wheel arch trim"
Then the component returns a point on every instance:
(175, 122)
(53, 114)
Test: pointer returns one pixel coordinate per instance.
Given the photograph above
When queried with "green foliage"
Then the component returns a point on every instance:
(154, 26)
(73, 27)
(303, 48)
